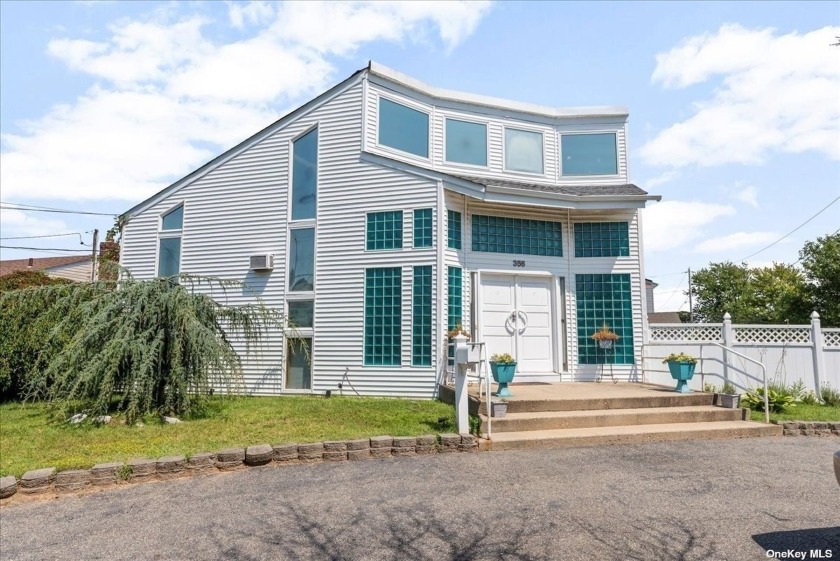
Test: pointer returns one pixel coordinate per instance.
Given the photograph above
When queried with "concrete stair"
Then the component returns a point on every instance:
(587, 415)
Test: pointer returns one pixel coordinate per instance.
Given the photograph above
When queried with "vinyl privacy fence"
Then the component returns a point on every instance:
(790, 353)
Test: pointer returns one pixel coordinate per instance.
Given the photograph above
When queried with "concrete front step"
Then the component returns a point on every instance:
(665, 399)
(594, 436)
(549, 420)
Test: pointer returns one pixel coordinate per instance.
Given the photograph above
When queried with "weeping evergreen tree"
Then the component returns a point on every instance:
(146, 346)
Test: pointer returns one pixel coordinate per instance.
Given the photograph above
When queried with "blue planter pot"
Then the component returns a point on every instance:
(682, 372)
(503, 375)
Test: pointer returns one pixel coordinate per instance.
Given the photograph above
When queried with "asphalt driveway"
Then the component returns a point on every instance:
(731, 499)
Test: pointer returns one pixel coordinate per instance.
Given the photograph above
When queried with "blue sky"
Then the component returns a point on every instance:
(734, 107)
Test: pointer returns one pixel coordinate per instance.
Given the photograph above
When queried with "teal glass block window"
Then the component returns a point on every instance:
(602, 239)
(384, 230)
(497, 234)
(466, 143)
(403, 128)
(453, 239)
(604, 299)
(421, 317)
(589, 154)
(455, 298)
(173, 220)
(169, 257)
(305, 176)
(423, 227)
(383, 307)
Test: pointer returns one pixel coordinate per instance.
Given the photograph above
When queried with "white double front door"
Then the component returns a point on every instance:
(517, 318)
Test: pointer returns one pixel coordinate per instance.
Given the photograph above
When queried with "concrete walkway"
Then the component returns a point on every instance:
(727, 500)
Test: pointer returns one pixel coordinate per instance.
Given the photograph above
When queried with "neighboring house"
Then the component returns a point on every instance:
(73, 268)
(664, 317)
(385, 212)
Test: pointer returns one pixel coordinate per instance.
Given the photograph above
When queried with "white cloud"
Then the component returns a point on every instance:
(672, 224)
(778, 93)
(171, 96)
(18, 223)
(747, 194)
(731, 242)
(661, 179)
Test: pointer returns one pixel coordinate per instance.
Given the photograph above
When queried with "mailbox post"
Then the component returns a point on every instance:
(462, 413)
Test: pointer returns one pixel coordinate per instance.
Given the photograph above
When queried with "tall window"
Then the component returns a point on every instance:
(169, 244)
(453, 239)
(455, 299)
(523, 151)
(466, 143)
(421, 317)
(423, 227)
(384, 230)
(403, 128)
(383, 316)
(589, 154)
(302, 260)
(305, 176)
(604, 299)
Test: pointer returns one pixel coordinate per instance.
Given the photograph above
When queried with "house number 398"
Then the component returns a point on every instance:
(518, 263)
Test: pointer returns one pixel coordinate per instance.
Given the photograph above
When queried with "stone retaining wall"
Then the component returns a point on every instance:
(810, 428)
(144, 469)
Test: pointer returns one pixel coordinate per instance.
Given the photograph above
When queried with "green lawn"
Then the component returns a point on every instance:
(802, 412)
(28, 440)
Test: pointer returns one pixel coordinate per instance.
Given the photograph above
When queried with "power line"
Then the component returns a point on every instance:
(43, 248)
(4, 206)
(679, 286)
(823, 209)
(44, 236)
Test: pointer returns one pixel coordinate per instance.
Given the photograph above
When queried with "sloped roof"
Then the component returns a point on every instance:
(624, 189)
(10, 266)
(664, 317)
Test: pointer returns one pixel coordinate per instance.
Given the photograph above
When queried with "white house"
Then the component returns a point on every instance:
(395, 211)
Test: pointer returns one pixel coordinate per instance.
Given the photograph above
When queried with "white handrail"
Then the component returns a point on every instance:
(763, 374)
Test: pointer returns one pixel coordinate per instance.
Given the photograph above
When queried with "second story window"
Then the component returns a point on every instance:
(169, 245)
(589, 154)
(384, 230)
(466, 143)
(302, 260)
(403, 128)
(305, 176)
(523, 151)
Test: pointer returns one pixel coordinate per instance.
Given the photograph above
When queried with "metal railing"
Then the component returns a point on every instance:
(763, 375)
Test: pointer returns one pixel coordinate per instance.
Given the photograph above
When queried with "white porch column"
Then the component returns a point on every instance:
(462, 413)
(819, 359)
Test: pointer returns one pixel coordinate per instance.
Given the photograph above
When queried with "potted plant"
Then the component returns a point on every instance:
(681, 367)
(605, 337)
(729, 396)
(498, 408)
(503, 368)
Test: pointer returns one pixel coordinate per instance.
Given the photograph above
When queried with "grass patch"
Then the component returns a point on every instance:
(28, 440)
(802, 412)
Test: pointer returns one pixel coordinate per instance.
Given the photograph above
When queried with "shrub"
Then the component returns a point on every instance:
(728, 388)
(830, 396)
(153, 346)
(680, 357)
(779, 399)
(25, 279)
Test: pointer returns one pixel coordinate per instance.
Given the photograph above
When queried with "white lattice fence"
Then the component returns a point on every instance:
(763, 334)
(831, 337)
(706, 332)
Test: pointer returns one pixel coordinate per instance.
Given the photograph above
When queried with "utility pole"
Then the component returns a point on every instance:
(93, 256)
(690, 300)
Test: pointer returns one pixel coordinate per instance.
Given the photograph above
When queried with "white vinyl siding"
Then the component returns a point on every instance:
(238, 210)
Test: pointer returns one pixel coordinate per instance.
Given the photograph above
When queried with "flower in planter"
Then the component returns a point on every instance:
(451, 334)
(504, 358)
(604, 334)
(680, 357)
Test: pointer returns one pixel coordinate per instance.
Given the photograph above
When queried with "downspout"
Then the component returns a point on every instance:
(441, 333)
(570, 355)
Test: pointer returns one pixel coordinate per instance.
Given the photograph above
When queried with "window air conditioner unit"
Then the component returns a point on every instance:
(262, 262)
